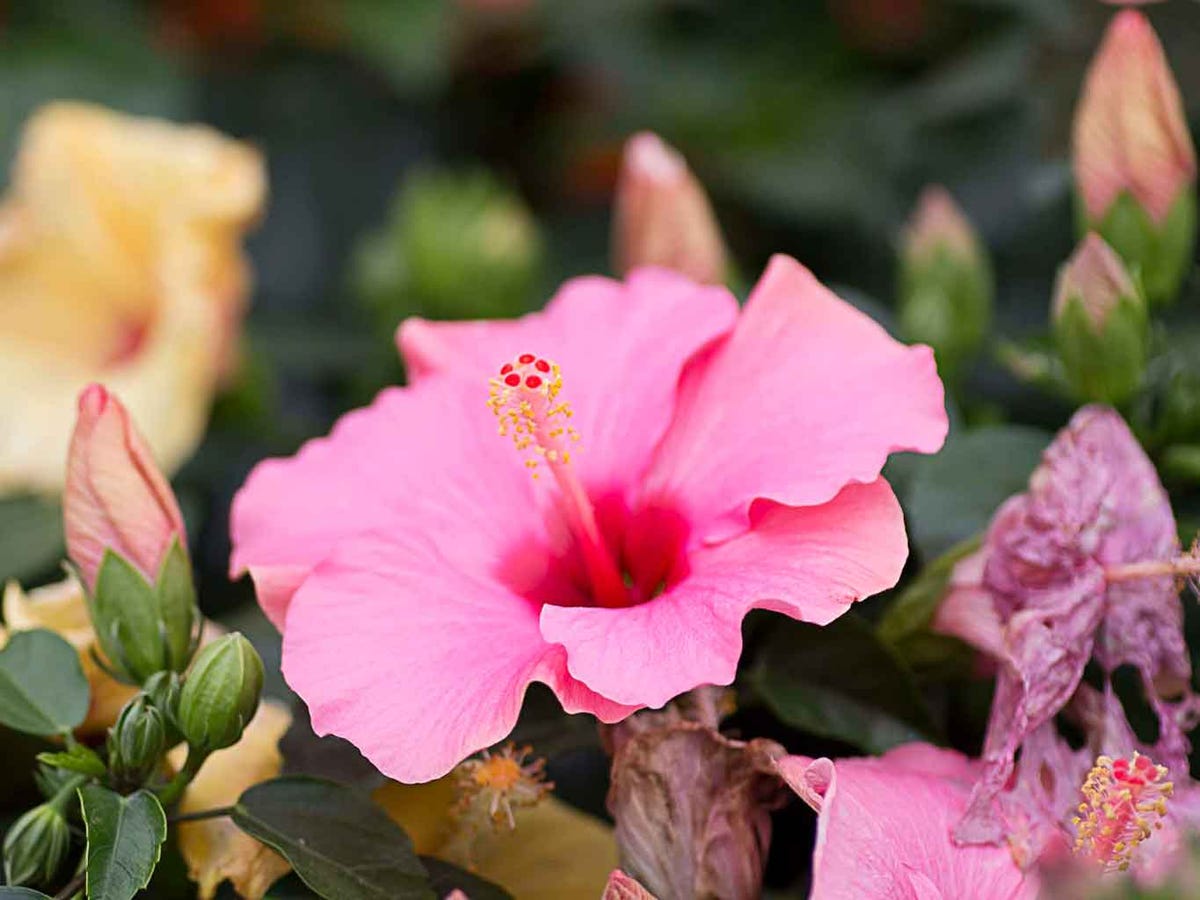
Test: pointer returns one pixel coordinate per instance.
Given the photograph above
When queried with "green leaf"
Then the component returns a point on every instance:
(79, 758)
(446, 877)
(21, 893)
(841, 682)
(341, 844)
(124, 839)
(42, 686)
(31, 537)
(953, 495)
(904, 626)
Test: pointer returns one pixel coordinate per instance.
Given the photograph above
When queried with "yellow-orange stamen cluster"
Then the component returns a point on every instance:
(525, 399)
(494, 784)
(1124, 802)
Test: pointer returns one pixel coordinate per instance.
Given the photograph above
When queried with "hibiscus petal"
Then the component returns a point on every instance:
(810, 563)
(417, 662)
(884, 830)
(621, 347)
(416, 458)
(806, 396)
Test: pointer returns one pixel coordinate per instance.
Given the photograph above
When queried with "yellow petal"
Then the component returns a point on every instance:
(555, 852)
(120, 262)
(61, 608)
(215, 849)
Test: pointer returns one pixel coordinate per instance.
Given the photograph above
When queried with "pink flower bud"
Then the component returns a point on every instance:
(938, 222)
(116, 498)
(1095, 275)
(662, 215)
(1130, 130)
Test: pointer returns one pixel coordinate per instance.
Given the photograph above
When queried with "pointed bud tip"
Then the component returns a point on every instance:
(1097, 276)
(93, 399)
(937, 220)
(649, 156)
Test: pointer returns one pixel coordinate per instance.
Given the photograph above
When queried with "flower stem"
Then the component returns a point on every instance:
(201, 814)
(170, 794)
(73, 887)
(1184, 565)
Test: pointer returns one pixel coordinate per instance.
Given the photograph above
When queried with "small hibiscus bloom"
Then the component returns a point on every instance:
(692, 463)
(884, 828)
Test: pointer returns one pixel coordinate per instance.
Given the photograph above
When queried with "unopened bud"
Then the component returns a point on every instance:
(220, 693)
(1135, 163)
(1100, 324)
(945, 281)
(662, 216)
(136, 742)
(458, 245)
(162, 691)
(36, 846)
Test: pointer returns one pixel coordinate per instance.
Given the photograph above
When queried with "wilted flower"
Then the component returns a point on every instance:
(621, 887)
(945, 280)
(1100, 324)
(1081, 567)
(885, 824)
(1135, 164)
(662, 216)
(727, 461)
(692, 807)
(216, 849)
(116, 498)
(121, 261)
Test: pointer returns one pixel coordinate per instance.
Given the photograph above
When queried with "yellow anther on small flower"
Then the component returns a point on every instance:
(492, 785)
(1124, 803)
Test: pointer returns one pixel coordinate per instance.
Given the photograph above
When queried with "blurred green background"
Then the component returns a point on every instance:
(457, 158)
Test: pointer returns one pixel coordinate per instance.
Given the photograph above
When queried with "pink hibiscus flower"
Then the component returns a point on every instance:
(725, 461)
(884, 829)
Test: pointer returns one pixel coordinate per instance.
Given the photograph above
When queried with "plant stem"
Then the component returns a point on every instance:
(170, 794)
(73, 887)
(67, 791)
(200, 814)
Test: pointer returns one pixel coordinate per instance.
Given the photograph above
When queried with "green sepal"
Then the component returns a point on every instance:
(145, 628)
(1104, 365)
(1160, 252)
(945, 300)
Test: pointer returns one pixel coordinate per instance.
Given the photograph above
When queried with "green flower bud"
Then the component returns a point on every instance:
(945, 289)
(459, 244)
(36, 846)
(220, 693)
(145, 628)
(136, 742)
(162, 690)
(1100, 325)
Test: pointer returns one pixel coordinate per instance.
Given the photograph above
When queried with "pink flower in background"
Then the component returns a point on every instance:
(662, 216)
(1062, 578)
(884, 829)
(115, 495)
(1130, 130)
(725, 461)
